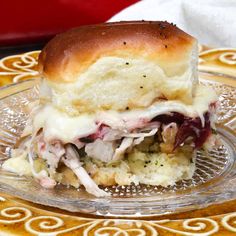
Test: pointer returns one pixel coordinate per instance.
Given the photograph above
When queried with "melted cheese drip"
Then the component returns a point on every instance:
(60, 126)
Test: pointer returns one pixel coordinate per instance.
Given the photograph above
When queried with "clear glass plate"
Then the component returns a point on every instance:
(214, 180)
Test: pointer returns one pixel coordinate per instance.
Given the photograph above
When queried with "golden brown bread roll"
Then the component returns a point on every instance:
(119, 65)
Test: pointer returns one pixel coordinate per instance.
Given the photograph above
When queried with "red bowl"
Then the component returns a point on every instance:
(28, 21)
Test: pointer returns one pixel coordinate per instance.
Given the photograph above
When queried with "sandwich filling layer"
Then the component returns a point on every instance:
(154, 145)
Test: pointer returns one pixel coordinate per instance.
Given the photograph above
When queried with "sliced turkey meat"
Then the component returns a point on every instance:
(101, 150)
(129, 141)
(52, 153)
(106, 150)
(72, 161)
(125, 144)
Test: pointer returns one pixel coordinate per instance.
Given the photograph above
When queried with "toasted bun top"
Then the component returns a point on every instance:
(124, 65)
(69, 54)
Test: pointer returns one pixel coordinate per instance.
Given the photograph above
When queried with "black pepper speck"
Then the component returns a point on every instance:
(162, 26)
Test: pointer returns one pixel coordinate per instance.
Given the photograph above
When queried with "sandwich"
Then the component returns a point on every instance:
(120, 104)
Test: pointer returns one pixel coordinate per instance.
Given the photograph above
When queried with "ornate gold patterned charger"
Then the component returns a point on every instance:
(19, 217)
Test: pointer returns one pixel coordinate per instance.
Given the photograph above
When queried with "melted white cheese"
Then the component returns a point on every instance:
(60, 126)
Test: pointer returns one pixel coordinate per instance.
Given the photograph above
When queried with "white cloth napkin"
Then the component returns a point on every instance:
(212, 22)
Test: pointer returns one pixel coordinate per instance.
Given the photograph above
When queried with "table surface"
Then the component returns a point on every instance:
(20, 217)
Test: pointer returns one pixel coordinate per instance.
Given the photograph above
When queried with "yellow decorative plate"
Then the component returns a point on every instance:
(20, 217)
